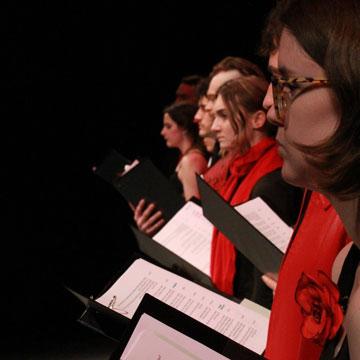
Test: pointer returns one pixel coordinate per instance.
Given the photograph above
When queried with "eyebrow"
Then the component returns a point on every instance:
(284, 71)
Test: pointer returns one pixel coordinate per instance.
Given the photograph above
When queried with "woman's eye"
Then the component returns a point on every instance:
(291, 88)
(222, 115)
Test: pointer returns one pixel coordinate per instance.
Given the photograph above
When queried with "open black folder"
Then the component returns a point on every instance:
(112, 324)
(245, 237)
(110, 313)
(142, 181)
(100, 318)
(185, 326)
(169, 260)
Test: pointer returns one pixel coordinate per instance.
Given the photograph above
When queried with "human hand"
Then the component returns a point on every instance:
(270, 280)
(147, 218)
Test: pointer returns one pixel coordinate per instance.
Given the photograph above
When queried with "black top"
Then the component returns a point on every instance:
(285, 200)
(345, 284)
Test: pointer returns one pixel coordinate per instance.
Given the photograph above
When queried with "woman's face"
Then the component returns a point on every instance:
(311, 118)
(224, 132)
(173, 134)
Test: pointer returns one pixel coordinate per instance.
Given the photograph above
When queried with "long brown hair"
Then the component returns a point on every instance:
(242, 97)
(329, 31)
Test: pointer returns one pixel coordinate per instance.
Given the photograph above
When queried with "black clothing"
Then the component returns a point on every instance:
(345, 284)
(285, 200)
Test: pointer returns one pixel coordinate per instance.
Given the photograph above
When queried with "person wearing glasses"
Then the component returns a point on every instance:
(316, 105)
(302, 254)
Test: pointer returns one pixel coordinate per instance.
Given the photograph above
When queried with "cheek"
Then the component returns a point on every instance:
(295, 170)
(312, 118)
(207, 122)
(229, 132)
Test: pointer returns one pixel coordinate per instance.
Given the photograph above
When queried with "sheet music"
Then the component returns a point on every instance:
(160, 341)
(263, 218)
(243, 323)
(188, 234)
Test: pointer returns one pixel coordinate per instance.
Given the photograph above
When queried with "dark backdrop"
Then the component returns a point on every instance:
(82, 77)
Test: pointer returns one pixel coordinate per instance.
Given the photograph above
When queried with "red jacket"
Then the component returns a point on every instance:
(235, 185)
(318, 239)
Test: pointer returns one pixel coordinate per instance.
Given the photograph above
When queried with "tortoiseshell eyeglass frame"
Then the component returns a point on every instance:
(283, 99)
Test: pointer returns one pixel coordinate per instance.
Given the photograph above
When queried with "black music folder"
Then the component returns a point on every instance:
(159, 321)
(144, 180)
(169, 260)
(111, 166)
(110, 313)
(245, 237)
(112, 324)
(101, 318)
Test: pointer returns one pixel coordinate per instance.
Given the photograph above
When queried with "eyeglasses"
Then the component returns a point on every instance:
(286, 90)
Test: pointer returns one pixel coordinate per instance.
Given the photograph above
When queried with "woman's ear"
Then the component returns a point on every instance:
(258, 119)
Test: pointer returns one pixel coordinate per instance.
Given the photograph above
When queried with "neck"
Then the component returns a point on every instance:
(185, 146)
(256, 137)
(348, 211)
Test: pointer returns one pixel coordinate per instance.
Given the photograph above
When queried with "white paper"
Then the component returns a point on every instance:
(153, 340)
(188, 234)
(242, 323)
(267, 222)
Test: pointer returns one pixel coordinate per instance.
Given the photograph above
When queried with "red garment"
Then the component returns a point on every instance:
(319, 238)
(260, 160)
(215, 176)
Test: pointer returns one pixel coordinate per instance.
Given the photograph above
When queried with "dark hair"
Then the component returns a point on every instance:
(244, 96)
(186, 90)
(202, 87)
(183, 114)
(243, 66)
(270, 36)
(329, 31)
(191, 79)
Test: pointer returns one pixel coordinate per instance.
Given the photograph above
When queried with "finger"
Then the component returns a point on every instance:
(132, 206)
(142, 218)
(152, 219)
(269, 282)
(139, 209)
(154, 228)
(272, 275)
(148, 211)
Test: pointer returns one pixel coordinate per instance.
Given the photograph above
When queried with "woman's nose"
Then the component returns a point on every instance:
(215, 125)
(268, 99)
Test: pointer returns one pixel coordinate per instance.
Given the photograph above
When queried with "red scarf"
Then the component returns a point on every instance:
(242, 175)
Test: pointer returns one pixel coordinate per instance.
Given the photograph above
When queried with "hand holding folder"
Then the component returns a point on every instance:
(143, 181)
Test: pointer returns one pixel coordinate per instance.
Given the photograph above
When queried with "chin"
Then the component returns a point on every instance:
(293, 177)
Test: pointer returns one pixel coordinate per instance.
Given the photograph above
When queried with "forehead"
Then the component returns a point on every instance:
(203, 100)
(168, 119)
(273, 62)
(293, 61)
(220, 79)
(219, 103)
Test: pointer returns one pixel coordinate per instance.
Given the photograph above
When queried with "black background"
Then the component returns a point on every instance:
(80, 78)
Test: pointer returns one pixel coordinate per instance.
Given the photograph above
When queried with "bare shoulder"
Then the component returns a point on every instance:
(194, 159)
